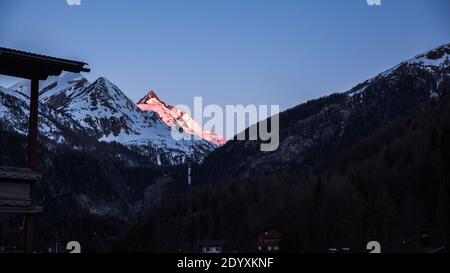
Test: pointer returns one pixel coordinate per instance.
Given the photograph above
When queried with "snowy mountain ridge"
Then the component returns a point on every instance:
(101, 110)
(434, 61)
(174, 116)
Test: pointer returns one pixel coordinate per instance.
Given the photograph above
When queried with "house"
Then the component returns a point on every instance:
(268, 240)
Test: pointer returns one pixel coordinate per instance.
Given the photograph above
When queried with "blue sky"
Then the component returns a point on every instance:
(228, 51)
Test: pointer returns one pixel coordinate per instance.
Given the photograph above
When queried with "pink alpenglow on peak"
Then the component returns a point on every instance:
(171, 115)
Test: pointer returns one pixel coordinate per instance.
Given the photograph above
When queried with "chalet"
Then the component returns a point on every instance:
(268, 240)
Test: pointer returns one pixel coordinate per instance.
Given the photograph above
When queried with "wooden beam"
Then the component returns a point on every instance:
(19, 174)
(22, 210)
(32, 159)
(33, 125)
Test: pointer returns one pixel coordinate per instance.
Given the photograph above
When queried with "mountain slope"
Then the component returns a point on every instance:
(103, 112)
(53, 125)
(104, 108)
(392, 187)
(55, 91)
(174, 116)
(312, 134)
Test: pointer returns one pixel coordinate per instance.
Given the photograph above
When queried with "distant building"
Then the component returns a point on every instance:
(268, 240)
(210, 246)
(334, 249)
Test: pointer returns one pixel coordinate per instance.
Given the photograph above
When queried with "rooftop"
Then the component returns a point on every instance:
(28, 65)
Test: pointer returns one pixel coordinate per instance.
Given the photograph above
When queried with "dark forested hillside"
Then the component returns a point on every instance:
(392, 187)
(314, 133)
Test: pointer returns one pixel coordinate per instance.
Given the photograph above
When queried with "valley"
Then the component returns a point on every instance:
(356, 162)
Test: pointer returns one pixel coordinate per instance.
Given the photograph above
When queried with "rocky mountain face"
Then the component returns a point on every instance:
(173, 116)
(103, 112)
(313, 133)
(54, 126)
(55, 91)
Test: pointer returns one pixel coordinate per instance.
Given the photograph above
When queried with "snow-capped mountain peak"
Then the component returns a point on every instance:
(103, 107)
(56, 90)
(112, 117)
(436, 61)
(101, 110)
(433, 60)
(438, 58)
(174, 116)
(149, 98)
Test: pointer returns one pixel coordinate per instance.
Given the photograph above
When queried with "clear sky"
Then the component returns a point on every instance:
(228, 51)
